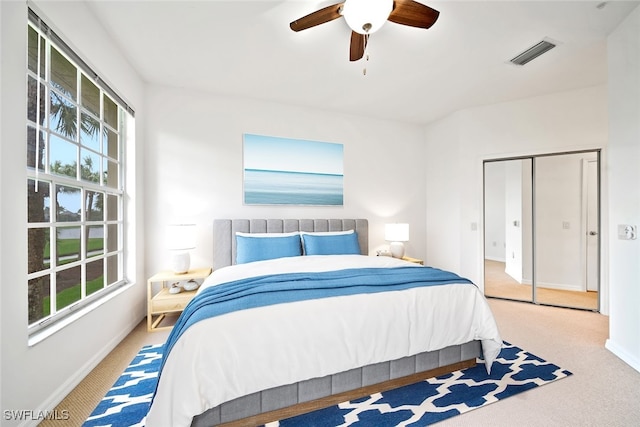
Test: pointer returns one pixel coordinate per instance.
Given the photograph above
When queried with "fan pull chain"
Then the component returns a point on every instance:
(366, 53)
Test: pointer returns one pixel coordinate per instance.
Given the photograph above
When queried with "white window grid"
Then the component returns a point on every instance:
(48, 178)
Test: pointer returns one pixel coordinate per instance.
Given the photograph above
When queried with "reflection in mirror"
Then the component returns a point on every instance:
(541, 224)
(566, 225)
(508, 272)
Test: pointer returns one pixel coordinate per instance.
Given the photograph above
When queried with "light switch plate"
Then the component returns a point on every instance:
(627, 232)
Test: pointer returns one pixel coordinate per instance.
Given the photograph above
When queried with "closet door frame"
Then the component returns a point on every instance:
(534, 244)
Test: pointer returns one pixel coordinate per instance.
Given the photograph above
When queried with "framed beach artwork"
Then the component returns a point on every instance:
(284, 171)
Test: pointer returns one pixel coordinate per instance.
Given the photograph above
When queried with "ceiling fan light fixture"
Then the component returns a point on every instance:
(366, 16)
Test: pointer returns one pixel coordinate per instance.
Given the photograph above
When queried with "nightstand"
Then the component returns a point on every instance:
(415, 260)
(163, 302)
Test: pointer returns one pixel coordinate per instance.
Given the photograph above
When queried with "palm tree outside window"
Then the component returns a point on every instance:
(75, 156)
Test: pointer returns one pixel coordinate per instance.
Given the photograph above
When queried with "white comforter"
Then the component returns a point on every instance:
(225, 357)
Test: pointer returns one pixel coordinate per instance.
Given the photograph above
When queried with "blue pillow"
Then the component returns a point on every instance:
(249, 249)
(331, 244)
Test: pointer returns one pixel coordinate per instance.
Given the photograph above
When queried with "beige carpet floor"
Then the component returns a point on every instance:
(603, 390)
(85, 396)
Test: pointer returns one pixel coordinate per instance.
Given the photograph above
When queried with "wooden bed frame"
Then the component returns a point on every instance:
(307, 396)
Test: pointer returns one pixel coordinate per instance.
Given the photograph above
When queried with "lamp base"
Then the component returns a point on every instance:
(180, 262)
(396, 249)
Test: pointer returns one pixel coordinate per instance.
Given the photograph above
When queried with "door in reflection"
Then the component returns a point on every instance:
(541, 217)
(507, 229)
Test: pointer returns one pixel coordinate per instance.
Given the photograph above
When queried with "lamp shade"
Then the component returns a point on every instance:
(396, 232)
(181, 237)
(366, 16)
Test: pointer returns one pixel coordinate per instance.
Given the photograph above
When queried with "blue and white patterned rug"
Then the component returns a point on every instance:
(128, 400)
(420, 404)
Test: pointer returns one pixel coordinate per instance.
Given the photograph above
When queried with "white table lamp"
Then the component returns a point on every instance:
(396, 234)
(181, 238)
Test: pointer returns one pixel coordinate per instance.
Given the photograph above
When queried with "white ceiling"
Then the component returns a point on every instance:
(245, 48)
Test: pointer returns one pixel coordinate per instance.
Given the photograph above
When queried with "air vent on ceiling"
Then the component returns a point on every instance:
(533, 52)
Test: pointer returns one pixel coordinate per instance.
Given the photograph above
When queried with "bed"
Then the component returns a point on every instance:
(350, 328)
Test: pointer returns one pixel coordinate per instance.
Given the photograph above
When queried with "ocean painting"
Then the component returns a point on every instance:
(283, 171)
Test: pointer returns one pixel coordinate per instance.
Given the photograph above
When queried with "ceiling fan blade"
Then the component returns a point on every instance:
(413, 14)
(358, 44)
(318, 17)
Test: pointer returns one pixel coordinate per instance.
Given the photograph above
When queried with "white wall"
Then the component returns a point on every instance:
(624, 183)
(444, 216)
(194, 167)
(494, 211)
(37, 377)
(514, 188)
(3, 181)
(457, 145)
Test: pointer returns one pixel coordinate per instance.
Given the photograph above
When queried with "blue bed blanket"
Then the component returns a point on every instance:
(290, 287)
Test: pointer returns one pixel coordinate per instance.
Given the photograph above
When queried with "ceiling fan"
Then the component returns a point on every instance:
(366, 16)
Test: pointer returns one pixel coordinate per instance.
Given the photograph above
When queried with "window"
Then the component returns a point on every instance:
(75, 190)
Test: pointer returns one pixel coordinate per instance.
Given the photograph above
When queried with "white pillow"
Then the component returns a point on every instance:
(326, 233)
(240, 233)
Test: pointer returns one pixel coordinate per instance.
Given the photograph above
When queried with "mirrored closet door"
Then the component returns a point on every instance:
(541, 229)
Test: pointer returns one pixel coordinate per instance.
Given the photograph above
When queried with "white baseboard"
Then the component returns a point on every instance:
(623, 355)
(557, 286)
(560, 286)
(61, 392)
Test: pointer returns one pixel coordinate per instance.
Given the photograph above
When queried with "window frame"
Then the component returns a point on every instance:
(39, 173)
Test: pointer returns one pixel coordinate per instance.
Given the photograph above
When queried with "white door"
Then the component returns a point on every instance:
(592, 226)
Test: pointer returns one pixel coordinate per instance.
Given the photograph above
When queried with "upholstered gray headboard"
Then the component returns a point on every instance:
(224, 231)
